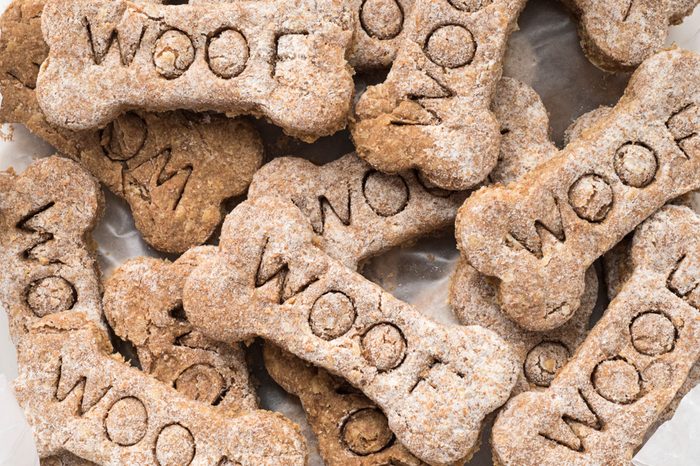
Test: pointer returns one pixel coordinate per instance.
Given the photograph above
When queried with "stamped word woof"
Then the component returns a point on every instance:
(271, 58)
(538, 236)
(434, 383)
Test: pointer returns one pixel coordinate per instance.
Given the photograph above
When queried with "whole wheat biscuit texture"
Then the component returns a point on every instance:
(356, 211)
(315, 190)
(433, 111)
(47, 215)
(143, 305)
(65, 459)
(350, 428)
(600, 405)
(174, 169)
(380, 26)
(539, 235)
(618, 35)
(434, 383)
(524, 128)
(541, 354)
(276, 59)
(81, 399)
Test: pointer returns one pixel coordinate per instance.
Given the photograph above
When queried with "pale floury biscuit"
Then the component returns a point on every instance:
(271, 58)
(47, 215)
(539, 235)
(622, 378)
(380, 26)
(143, 305)
(541, 354)
(434, 383)
(174, 169)
(618, 35)
(317, 191)
(81, 399)
(433, 111)
(356, 211)
(349, 427)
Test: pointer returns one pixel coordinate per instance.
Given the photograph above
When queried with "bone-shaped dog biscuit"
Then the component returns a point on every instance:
(538, 236)
(434, 383)
(81, 399)
(525, 144)
(357, 211)
(143, 305)
(541, 354)
(601, 404)
(618, 35)
(349, 427)
(174, 169)
(432, 112)
(379, 30)
(47, 215)
(271, 58)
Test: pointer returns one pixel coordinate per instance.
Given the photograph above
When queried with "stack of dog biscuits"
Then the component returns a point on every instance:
(168, 105)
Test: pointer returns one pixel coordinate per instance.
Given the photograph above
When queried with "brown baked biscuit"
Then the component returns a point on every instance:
(434, 383)
(174, 169)
(268, 58)
(379, 30)
(525, 142)
(432, 112)
(47, 215)
(81, 399)
(65, 459)
(143, 305)
(350, 428)
(600, 405)
(356, 211)
(524, 125)
(618, 35)
(473, 300)
(538, 236)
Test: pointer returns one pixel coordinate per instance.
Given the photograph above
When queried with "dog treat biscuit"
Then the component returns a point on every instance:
(473, 301)
(47, 215)
(174, 169)
(434, 383)
(81, 399)
(539, 235)
(143, 305)
(524, 124)
(379, 30)
(432, 112)
(356, 211)
(618, 35)
(269, 58)
(350, 428)
(601, 404)
(525, 142)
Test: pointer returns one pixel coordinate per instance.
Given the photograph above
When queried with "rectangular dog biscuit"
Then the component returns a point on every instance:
(269, 279)
(269, 58)
(600, 406)
(539, 235)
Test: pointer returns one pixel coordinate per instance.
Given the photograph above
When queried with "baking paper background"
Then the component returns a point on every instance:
(545, 53)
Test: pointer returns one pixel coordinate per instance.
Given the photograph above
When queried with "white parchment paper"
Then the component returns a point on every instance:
(545, 53)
